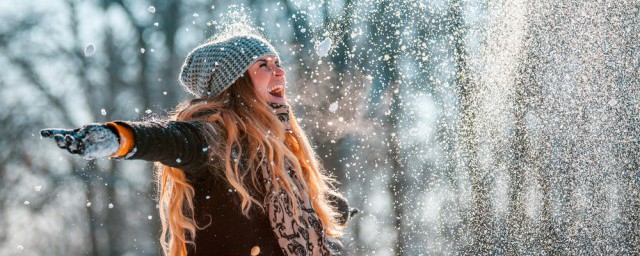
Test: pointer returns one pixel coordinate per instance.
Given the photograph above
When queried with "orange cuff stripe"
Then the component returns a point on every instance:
(126, 139)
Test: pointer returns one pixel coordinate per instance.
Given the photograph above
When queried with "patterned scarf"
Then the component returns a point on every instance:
(302, 238)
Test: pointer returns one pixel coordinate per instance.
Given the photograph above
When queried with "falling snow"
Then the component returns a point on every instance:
(323, 48)
(333, 107)
(89, 50)
(455, 127)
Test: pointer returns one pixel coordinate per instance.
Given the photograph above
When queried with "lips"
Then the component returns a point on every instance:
(277, 91)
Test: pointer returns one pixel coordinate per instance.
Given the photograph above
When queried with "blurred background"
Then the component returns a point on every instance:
(456, 127)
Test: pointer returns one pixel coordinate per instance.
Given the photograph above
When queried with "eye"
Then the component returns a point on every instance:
(263, 64)
(278, 65)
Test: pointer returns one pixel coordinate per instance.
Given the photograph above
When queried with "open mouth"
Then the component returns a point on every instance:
(277, 91)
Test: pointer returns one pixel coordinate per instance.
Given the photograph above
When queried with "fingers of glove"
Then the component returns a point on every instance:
(51, 132)
(79, 147)
(46, 133)
(60, 141)
(66, 142)
(74, 146)
(75, 143)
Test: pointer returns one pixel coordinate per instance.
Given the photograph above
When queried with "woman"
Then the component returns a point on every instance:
(236, 174)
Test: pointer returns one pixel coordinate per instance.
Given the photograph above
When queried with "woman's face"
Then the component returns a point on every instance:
(268, 79)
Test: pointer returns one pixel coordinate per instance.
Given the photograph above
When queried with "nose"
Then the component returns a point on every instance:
(278, 71)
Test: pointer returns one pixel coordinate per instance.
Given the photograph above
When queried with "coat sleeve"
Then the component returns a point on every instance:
(180, 144)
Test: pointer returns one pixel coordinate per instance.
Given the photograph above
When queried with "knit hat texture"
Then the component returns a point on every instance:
(212, 67)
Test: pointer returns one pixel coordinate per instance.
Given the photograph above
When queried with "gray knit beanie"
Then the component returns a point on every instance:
(213, 66)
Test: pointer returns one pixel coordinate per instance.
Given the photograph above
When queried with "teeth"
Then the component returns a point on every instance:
(276, 87)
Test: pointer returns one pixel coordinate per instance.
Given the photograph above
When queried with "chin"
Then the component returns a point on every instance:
(278, 101)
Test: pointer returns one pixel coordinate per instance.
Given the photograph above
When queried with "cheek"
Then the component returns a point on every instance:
(260, 86)
(260, 81)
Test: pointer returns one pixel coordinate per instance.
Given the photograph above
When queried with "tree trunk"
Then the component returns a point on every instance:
(89, 195)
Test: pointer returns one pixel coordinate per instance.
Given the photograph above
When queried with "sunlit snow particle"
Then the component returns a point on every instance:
(151, 9)
(195, 14)
(88, 204)
(26, 203)
(136, 110)
(38, 188)
(323, 48)
(148, 111)
(333, 107)
(20, 247)
(156, 24)
(103, 112)
(89, 50)
(149, 217)
(142, 50)
(165, 92)
(178, 160)
(110, 206)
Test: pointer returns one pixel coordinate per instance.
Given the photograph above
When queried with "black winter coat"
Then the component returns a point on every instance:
(183, 145)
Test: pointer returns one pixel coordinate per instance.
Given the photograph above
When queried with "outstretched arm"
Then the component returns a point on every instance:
(175, 143)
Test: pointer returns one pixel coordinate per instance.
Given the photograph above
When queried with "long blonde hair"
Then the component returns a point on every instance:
(249, 125)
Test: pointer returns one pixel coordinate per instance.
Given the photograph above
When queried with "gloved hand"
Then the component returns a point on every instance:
(91, 141)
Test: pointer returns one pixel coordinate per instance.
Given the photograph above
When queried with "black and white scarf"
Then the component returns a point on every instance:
(306, 236)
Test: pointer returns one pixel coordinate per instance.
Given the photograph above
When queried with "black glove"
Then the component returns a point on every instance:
(91, 141)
